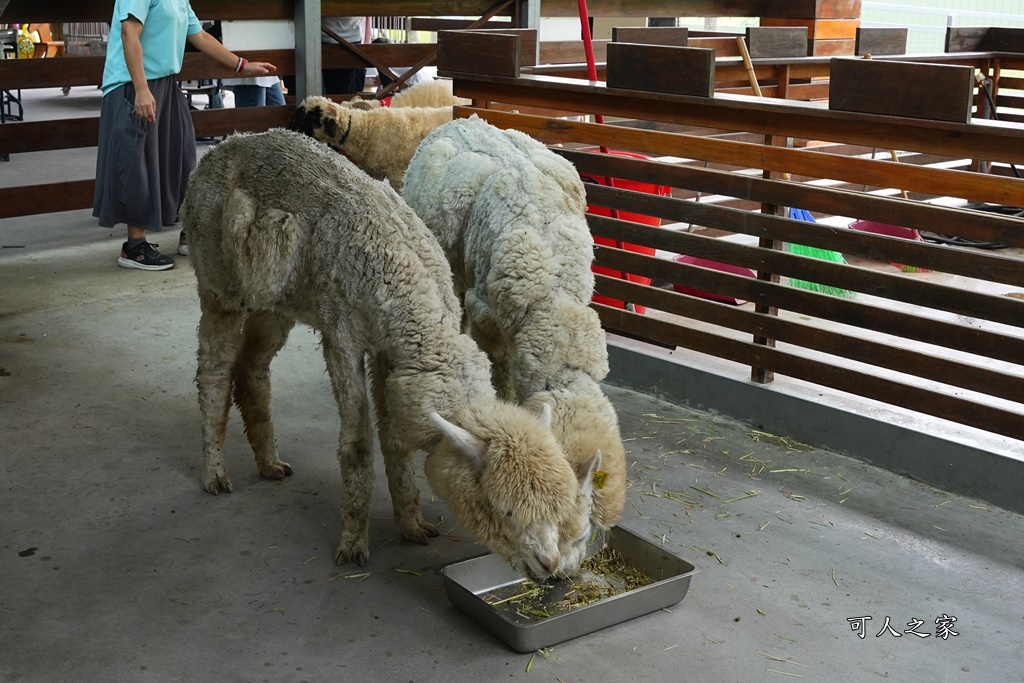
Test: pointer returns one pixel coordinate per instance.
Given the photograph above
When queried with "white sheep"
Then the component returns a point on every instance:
(379, 141)
(433, 93)
(511, 217)
(284, 230)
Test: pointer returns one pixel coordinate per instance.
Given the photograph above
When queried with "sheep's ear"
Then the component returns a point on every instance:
(545, 415)
(467, 444)
(589, 481)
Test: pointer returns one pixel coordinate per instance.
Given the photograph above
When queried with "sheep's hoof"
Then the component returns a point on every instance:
(418, 530)
(352, 551)
(218, 481)
(277, 470)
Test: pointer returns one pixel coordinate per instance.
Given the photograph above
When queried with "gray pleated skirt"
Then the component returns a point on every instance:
(142, 168)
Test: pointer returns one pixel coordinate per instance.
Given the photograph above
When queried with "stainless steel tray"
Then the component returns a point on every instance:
(469, 582)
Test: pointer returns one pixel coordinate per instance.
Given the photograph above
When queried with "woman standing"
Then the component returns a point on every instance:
(147, 143)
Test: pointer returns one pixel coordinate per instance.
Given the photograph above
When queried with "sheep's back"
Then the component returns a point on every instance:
(280, 221)
(495, 197)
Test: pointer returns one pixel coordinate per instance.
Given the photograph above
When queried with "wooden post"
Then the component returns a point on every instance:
(308, 59)
(831, 24)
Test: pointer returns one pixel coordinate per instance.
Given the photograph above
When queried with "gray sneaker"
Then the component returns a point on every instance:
(183, 244)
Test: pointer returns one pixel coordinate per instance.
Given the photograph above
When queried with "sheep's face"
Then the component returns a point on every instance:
(509, 484)
(586, 426)
(323, 120)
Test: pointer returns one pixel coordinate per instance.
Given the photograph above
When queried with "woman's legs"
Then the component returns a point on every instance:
(249, 96)
(142, 169)
(274, 96)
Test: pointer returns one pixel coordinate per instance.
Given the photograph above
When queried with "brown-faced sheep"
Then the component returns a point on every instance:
(379, 141)
(511, 217)
(284, 230)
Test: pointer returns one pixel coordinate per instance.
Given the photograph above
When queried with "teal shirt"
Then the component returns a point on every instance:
(165, 25)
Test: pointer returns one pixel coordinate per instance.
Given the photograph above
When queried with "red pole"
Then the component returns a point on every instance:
(588, 50)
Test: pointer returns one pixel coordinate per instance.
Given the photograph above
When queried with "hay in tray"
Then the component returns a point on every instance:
(602, 576)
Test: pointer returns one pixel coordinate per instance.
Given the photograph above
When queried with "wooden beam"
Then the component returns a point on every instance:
(975, 186)
(859, 383)
(100, 10)
(655, 8)
(881, 41)
(47, 198)
(938, 92)
(662, 35)
(776, 41)
(434, 24)
(657, 68)
(980, 139)
(473, 52)
(812, 9)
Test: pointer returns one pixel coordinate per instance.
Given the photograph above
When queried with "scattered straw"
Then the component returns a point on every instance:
(750, 494)
(706, 491)
(784, 673)
(406, 571)
(834, 578)
(780, 659)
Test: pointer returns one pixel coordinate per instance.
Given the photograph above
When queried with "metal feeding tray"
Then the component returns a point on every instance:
(484, 587)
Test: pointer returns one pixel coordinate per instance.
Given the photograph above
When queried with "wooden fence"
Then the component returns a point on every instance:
(947, 345)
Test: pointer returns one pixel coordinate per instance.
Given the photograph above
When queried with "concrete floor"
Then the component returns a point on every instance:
(116, 566)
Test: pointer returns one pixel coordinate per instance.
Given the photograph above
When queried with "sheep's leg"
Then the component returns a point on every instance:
(264, 335)
(220, 336)
(355, 452)
(398, 463)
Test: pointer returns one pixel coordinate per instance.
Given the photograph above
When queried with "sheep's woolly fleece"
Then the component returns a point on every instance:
(511, 217)
(283, 230)
(379, 141)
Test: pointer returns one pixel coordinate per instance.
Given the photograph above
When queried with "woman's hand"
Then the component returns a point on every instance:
(145, 105)
(258, 69)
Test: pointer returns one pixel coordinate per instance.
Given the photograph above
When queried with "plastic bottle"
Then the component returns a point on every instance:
(26, 48)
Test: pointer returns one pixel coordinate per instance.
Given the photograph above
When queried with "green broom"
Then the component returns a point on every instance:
(799, 214)
(814, 252)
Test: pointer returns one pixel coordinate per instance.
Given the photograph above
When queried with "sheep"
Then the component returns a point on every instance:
(435, 93)
(510, 216)
(284, 230)
(379, 141)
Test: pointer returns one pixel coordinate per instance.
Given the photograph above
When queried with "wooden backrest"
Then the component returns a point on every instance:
(940, 92)
(776, 41)
(880, 41)
(675, 36)
(658, 68)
